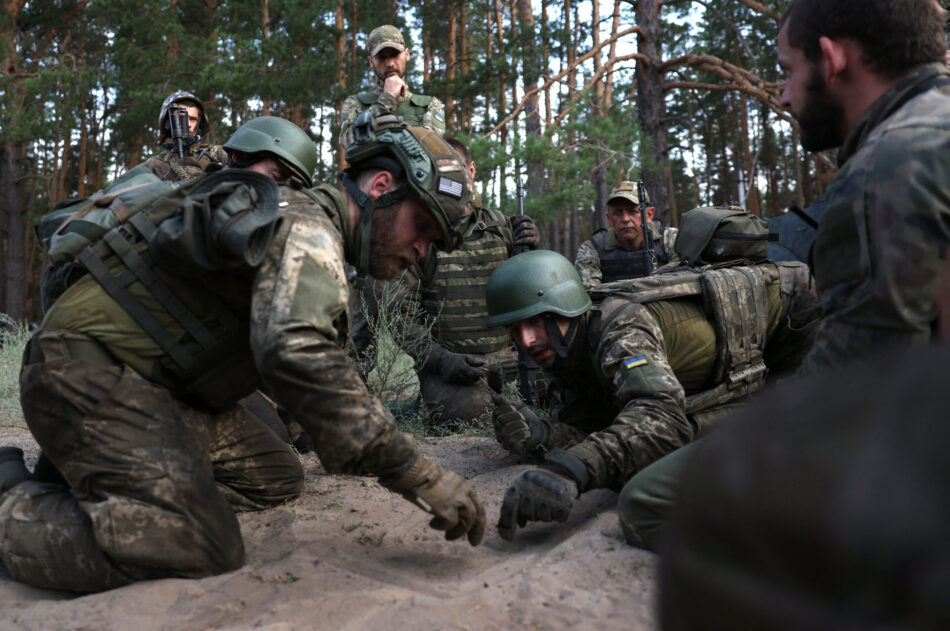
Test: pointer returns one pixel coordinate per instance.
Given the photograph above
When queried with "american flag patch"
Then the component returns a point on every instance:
(633, 362)
(450, 187)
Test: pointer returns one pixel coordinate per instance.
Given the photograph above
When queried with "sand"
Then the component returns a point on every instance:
(349, 554)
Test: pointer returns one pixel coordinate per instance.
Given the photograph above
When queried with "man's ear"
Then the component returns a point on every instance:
(834, 58)
(381, 183)
(649, 213)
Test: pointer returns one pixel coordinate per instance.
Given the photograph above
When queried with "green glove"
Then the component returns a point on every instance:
(517, 428)
(446, 495)
(536, 495)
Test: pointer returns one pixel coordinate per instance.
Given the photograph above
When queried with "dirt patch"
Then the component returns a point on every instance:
(350, 555)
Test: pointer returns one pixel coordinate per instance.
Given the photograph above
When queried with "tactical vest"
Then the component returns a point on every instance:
(737, 300)
(620, 263)
(454, 288)
(163, 248)
(411, 110)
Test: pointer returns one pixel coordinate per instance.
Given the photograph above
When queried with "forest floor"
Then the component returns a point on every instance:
(348, 554)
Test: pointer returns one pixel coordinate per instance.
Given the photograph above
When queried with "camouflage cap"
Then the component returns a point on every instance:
(627, 190)
(385, 36)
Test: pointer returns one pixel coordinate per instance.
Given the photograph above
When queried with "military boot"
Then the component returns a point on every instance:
(12, 469)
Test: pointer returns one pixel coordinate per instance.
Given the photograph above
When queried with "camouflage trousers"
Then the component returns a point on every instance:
(152, 483)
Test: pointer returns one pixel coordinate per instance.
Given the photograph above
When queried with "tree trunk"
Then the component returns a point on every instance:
(651, 109)
(532, 114)
(11, 182)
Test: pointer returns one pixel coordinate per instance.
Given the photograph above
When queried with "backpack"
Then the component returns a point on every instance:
(720, 234)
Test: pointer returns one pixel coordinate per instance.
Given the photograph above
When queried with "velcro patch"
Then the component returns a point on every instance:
(448, 164)
(450, 187)
(438, 116)
(633, 362)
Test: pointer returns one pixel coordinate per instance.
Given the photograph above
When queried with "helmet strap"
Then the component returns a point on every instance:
(363, 230)
(560, 342)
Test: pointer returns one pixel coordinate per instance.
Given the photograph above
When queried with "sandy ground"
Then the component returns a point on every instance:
(350, 555)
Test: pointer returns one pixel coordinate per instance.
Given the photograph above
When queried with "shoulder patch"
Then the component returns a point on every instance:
(633, 362)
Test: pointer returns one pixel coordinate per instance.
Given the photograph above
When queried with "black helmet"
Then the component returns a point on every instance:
(277, 136)
(189, 99)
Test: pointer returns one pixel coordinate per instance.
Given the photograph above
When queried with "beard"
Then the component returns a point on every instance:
(386, 260)
(821, 117)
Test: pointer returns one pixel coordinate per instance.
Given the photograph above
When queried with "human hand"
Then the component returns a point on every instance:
(536, 495)
(517, 428)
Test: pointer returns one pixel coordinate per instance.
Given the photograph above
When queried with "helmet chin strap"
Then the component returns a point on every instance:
(560, 341)
(363, 230)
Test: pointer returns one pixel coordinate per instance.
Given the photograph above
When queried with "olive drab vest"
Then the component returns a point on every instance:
(454, 288)
(163, 249)
(620, 263)
(410, 110)
(736, 299)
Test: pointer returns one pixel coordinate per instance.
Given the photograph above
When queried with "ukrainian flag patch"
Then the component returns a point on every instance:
(633, 362)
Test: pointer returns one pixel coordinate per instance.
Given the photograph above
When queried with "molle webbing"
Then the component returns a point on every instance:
(737, 300)
(128, 242)
(457, 293)
(618, 263)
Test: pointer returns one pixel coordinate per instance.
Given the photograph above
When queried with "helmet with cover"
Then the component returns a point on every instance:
(534, 283)
(424, 164)
(279, 137)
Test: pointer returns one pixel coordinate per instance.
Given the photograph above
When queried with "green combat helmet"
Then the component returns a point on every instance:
(534, 283)
(186, 98)
(429, 167)
(279, 137)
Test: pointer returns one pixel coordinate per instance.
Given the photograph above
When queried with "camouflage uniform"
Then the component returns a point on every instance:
(637, 381)
(154, 474)
(629, 262)
(885, 226)
(417, 110)
(451, 290)
(201, 157)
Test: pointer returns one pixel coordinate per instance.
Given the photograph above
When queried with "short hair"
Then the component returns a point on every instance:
(895, 35)
(459, 148)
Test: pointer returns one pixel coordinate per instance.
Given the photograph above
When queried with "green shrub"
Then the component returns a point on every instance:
(13, 338)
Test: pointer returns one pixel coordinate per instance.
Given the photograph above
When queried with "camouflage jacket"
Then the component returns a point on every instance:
(587, 259)
(201, 157)
(416, 109)
(620, 396)
(295, 328)
(885, 226)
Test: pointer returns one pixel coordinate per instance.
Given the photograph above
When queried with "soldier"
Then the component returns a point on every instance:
(130, 384)
(200, 155)
(616, 253)
(885, 217)
(637, 375)
(388, 58)
(454, 357)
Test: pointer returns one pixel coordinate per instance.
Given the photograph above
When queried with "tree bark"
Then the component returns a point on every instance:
(651, 109)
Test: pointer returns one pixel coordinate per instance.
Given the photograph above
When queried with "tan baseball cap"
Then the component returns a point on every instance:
(627, 190)
(385, 36)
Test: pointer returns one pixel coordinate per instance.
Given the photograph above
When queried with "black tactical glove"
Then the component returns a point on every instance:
(454, 367)
(445, 494)
(517, 428)
(543, 494)
(525, 233)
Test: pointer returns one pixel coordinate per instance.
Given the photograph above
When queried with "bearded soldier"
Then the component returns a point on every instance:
(388, 58)
(229, 283)
(638, 374)
(199, 155)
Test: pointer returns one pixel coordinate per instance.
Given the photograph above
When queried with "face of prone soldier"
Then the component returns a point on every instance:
(531, 334)
(624, 217)
(806, 95)
(400, 235)
(272, 168)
